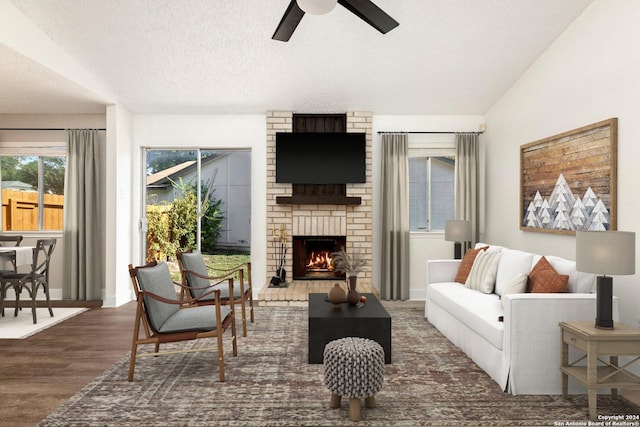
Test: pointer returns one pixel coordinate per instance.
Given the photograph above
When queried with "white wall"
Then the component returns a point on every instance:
(590, 73)
(120, 230)
(215, 132)
(423, 246)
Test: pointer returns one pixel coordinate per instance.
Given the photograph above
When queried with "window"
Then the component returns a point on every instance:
(431, 182)
(32, 192)
(431, 200)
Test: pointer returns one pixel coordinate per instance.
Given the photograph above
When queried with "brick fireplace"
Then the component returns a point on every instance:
(348, 224)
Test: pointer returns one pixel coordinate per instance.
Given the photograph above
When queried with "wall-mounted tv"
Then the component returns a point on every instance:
(320, 158)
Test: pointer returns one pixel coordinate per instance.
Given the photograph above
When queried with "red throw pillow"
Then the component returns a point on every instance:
(467, 263)
(543, 278)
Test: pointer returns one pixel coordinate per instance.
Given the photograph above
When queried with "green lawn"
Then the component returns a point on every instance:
(221, 260)
(226, 260)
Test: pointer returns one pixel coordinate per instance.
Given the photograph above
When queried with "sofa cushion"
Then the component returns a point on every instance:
(490, 248)
(583, 282)
(478, 311)
(467, 263)
(543, 278)
(578, 281)
(512, 264)
(482, 276)
(518, 285)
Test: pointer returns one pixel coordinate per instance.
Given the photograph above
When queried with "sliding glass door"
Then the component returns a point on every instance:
(196, 199)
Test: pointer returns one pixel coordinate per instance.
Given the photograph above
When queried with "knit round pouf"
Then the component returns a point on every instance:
(353, 368)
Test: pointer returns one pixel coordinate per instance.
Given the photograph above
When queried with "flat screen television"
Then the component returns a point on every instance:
(320, 158)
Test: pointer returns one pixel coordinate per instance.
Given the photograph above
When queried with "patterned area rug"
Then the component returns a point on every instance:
(430, 383)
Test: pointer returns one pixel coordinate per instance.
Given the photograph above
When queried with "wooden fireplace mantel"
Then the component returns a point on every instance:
(318, 194)
(302, 199)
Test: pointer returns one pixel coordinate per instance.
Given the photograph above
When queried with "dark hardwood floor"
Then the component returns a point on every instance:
(40, 373)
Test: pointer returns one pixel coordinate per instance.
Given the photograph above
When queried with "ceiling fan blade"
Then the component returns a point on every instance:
(289, 22)
(371, 14)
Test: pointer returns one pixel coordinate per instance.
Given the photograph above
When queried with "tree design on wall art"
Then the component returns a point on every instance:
(563, 210)
(568, 181)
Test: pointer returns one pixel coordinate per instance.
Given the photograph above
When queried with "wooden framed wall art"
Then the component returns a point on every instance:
(568, 181)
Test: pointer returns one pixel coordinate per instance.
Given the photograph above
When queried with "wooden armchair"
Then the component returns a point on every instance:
(166, 318)
(196, 279)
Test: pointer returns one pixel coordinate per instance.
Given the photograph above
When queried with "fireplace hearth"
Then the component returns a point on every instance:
(312, 258)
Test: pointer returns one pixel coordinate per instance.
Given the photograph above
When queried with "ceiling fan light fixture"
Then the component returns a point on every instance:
(317, 7)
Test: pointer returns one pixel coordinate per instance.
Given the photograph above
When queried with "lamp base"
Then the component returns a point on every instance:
(457, 250)
(604, 303)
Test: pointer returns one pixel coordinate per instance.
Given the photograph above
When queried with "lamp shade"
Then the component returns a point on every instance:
(317, 7)
(606, 252)
(457, 231)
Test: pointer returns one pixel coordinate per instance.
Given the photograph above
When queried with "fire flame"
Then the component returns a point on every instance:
(320, 260)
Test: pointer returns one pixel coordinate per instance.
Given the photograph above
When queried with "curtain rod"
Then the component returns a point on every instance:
(46, 129)
(449, 132)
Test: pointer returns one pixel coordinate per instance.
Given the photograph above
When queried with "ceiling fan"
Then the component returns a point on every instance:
(364, 9)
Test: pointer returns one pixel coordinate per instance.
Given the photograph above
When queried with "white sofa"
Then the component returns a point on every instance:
(515, 340)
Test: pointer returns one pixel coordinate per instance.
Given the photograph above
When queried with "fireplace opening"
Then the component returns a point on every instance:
(312, 259)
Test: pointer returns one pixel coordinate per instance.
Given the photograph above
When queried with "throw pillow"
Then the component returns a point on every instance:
(467, 263)
(518, 285)
(543, 278)
(482, 276)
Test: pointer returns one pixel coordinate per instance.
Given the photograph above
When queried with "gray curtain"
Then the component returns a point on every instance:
(467, 182)
(394, 199)
(83, 255)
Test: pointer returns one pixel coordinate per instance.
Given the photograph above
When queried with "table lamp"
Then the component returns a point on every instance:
(457, 231)
(605, 252)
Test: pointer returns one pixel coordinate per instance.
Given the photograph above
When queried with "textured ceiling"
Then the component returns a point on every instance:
(217, 56)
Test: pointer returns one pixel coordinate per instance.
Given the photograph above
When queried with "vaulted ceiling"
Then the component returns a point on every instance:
(217, 56)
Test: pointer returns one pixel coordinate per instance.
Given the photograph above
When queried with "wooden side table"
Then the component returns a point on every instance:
(599, 373)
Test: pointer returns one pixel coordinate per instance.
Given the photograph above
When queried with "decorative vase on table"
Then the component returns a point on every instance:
(350, 263)
(337, 296)
(353, 296)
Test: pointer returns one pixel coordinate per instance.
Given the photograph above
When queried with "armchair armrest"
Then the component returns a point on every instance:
(180, 301)
(238, 269)
(185, 289)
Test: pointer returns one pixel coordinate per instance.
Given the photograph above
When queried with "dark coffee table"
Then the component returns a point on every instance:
(326, 324)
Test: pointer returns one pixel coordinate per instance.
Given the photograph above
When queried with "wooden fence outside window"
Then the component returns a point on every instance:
(20, 211)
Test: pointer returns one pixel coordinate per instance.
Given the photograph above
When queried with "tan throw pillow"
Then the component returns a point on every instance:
(467, 263)
(518, 285)
(482, 276)
(543, 278)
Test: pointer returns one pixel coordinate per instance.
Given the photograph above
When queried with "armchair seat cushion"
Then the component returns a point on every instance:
(200, 318)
